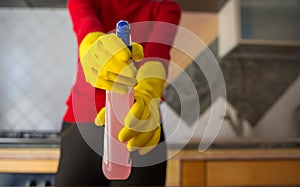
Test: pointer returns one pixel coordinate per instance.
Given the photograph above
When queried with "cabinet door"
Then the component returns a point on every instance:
(192, 173)
(263, 172)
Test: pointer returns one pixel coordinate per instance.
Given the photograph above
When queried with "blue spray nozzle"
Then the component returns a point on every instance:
(123, 31)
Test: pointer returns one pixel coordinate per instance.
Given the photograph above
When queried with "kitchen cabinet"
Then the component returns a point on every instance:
(29, 160)
(253, 172)
(193, 173)
(244, 167)
(28, 166)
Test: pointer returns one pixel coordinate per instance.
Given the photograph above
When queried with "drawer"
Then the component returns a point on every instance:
(263, 172)
(240, 172)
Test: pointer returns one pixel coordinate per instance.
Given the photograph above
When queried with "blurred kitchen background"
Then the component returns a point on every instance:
(256, 43)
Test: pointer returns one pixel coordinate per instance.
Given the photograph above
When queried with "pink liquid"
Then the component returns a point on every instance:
(116, 163)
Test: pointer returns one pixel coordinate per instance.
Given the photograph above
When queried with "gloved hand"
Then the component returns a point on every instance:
(142, 124)
(105, 60)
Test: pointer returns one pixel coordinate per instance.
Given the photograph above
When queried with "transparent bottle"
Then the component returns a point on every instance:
(116, 163)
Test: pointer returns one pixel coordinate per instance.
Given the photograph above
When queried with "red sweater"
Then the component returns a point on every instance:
(84, 101)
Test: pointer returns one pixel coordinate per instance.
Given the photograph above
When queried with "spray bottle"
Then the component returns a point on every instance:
(116, 163)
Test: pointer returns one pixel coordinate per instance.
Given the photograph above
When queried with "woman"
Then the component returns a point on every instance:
(93, 20)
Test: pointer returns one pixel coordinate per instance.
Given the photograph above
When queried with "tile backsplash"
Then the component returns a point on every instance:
(38, 61)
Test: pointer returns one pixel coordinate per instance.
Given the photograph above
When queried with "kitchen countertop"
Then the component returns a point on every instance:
(240, 154)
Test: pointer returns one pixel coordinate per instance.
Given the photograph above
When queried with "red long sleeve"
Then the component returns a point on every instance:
(84, 15)
(163, 32)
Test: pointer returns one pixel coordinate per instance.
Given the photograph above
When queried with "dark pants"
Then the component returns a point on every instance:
(80, 165)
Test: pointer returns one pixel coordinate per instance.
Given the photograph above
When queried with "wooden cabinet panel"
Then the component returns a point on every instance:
(236, 173)
(192, 173)
(28, 165)
(173, 172)
(29, 160)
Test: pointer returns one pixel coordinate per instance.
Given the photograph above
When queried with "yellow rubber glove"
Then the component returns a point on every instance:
(142, 124)
(105, 60)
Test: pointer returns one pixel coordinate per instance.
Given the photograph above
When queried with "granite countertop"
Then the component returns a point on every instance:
(240, 154)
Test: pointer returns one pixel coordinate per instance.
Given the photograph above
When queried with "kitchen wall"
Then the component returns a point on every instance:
(38, 58)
